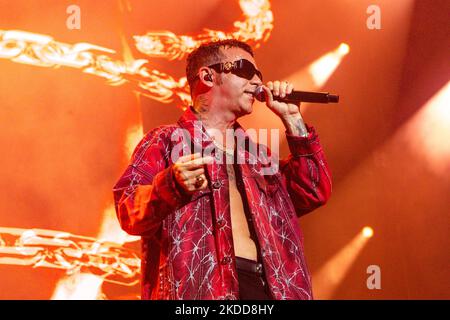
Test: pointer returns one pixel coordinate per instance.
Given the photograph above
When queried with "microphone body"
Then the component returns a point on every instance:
(300, 96)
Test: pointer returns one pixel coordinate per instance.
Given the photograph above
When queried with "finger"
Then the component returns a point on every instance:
(181, 176)
(189, 157)
(198, 172)
(268, 93)
(270, 85)
(198, 162)
(193, 173)
(204, 185)
(276, 88)
(283, 86)
(289, 88)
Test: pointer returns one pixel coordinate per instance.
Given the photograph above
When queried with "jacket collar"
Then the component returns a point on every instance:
(202, 140)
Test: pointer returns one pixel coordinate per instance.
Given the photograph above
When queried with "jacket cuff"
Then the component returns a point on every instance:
(166, 188)
(304, 146)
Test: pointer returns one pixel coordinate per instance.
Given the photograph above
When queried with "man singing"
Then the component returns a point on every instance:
(213, 227)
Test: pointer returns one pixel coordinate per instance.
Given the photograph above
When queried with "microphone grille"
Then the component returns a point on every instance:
(259, 94)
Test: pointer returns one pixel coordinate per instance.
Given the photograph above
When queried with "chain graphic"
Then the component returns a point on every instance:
(40, 248)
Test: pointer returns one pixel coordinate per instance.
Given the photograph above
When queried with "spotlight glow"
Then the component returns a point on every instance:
(79, 286)
(87, 286)
(331, 274)
(343, 49)
(428, 131)
(323, 68)
(134, 135)
(367, 232)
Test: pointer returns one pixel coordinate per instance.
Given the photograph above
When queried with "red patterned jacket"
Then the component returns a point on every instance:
(187, 244)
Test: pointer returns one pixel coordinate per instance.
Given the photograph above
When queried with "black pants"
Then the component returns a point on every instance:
(252, 283)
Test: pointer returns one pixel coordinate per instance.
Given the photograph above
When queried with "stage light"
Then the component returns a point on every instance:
(314, 76)
(428, 131)
(343, 49)
(79, 286)
(367, 232)
(321, 69)
(328, 278)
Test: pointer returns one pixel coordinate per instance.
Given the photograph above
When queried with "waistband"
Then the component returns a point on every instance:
(249, 266)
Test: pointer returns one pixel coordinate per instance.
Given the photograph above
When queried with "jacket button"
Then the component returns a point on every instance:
(226, 260)
(220, 223)
(259, 269)
(216, 184)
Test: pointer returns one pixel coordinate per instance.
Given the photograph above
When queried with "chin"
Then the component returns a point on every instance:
(245, 110)
(247, 107)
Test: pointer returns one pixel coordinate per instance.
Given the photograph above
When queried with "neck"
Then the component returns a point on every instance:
(214, 117)
(215, 120)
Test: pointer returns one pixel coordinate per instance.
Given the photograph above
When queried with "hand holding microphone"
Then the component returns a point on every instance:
(285, 102)
(295, 96)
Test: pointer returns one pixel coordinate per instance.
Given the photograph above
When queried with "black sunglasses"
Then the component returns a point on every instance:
(242, 68)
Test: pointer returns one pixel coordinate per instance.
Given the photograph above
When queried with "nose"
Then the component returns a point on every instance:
(256, 80)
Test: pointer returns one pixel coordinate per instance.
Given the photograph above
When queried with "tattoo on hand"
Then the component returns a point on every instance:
(297, 127)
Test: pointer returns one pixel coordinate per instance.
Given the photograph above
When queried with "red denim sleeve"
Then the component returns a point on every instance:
(306, 172)
(146, 192)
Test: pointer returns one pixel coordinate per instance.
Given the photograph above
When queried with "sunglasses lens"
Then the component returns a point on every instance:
(247, 70)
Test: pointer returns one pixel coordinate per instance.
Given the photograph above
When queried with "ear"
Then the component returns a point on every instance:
(206, 76)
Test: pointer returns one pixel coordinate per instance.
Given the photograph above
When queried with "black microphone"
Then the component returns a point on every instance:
(299, 96)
